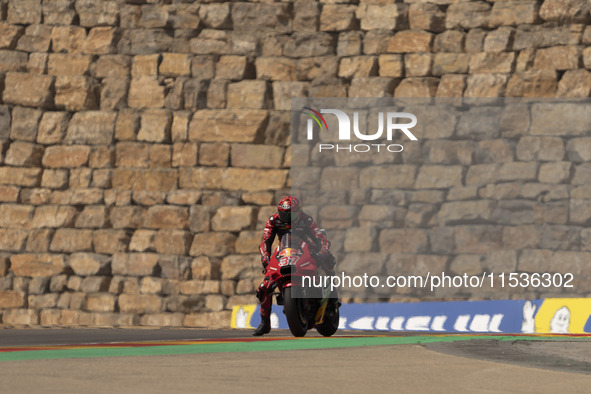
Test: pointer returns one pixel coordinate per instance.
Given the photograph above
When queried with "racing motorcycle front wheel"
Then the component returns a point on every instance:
(294, 313)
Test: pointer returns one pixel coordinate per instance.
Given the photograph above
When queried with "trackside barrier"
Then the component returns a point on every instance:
(551, 315)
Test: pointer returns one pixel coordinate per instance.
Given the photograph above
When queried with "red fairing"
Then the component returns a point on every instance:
(305, 263)
(301, 257)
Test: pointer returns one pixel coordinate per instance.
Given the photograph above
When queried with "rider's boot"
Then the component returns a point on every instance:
(264, 327)
(266, 301)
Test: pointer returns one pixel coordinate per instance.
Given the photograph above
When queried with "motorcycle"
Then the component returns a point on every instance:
(304, 307)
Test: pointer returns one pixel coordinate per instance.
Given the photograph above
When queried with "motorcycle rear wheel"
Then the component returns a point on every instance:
(331, 321)
(294, 313)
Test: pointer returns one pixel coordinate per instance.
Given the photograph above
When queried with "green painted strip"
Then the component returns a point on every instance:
(295, 344)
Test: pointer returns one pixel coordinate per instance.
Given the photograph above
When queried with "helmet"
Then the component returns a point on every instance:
(289, 209)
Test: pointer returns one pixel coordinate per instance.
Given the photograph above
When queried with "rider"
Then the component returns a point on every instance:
(289, 217)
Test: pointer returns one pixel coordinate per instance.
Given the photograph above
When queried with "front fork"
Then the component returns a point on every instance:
(319, 317)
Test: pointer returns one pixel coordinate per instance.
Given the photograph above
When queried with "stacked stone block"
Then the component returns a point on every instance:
(144, 143)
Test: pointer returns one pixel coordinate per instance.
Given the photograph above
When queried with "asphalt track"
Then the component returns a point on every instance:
(203, 361)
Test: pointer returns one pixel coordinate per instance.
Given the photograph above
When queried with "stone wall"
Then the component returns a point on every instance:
(492, 187)
(144, 142)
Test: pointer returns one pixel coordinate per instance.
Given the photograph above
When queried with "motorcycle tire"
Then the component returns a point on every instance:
(294, 313)
(331, 321)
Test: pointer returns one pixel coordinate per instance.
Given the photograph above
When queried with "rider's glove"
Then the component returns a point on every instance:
(326, 258)
(323, 254)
